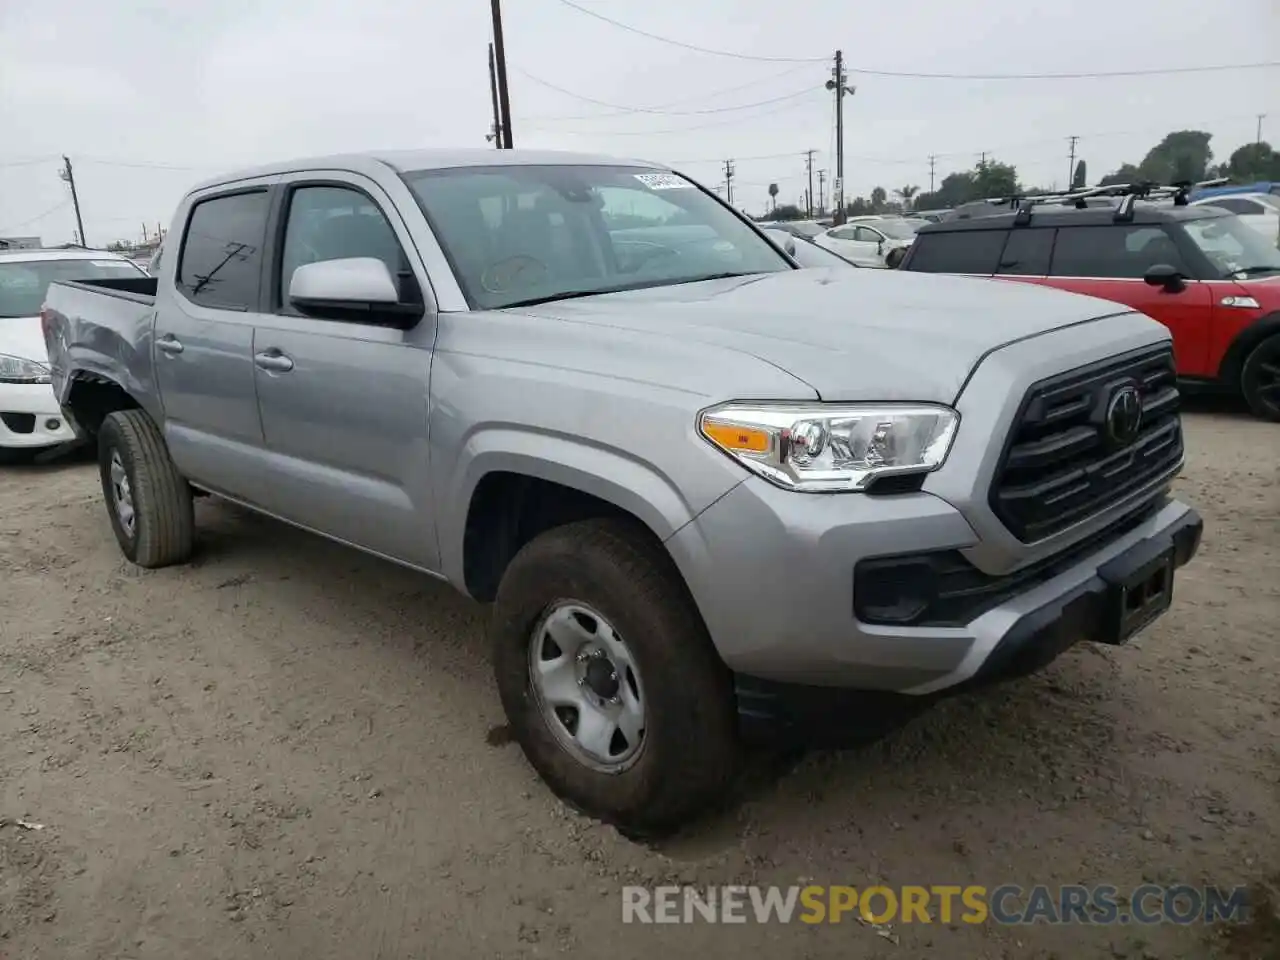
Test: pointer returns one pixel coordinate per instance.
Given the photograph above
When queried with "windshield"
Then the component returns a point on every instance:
(523, 234)
(1236, 250)
(23, 282)
(898, 229)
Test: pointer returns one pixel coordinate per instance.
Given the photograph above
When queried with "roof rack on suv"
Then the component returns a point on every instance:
(1129, 193)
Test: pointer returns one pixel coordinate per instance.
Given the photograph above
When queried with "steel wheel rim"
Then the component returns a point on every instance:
(1268, 378)
(122, 494)
(586, 684)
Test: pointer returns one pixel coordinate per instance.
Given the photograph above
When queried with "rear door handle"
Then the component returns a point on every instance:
(169, 344)
(273, 360)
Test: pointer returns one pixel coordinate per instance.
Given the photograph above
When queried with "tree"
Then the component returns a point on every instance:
(788, 211)
(906, 193)
(773, 195)
(878, 199)
(994, 179)
(1181, 155)
(1253, 161)
(1081, 177)
(858, 207)
(1125, 173)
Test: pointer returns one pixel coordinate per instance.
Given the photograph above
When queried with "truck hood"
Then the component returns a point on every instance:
(849, 334)
(22, 337)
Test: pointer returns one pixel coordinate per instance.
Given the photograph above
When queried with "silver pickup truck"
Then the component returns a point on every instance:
(712, 496)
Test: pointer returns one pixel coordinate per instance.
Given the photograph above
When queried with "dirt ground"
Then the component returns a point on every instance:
(288, 749)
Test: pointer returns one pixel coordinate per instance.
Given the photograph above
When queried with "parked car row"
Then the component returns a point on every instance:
(31, 422)
(711, 496)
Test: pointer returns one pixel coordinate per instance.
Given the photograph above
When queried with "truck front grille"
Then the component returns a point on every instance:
(1071, 453)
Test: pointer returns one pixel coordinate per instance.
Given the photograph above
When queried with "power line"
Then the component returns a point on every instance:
(689, 46)
(51, 210)
(29, 163)
(903, 74)
(776, 108)
(710, 95)
(660, 112)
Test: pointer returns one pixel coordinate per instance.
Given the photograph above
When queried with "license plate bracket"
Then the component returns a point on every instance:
(1137, 593)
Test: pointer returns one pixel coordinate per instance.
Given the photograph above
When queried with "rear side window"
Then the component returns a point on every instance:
(221, 259)
(1027, 253)
(961, 251)
(1113, 251)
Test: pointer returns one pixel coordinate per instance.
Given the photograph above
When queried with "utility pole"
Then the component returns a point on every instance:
(496, 135)
(808, 197)
(933, 161)
(1071, 164)
(728, 182)
(822, 196)
(1258, 138)
(500, 53)
(837, 83)
(67, 174)
(983, 161)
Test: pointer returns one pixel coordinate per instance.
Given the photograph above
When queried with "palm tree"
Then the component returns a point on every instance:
(773, 195)
(906, 193)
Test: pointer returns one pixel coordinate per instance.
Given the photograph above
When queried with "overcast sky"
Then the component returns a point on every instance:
(147, 97)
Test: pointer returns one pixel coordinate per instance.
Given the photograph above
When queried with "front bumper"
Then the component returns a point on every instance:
(773, 573)
(30, 417)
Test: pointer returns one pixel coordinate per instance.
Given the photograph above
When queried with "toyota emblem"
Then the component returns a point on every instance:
(1124, 416)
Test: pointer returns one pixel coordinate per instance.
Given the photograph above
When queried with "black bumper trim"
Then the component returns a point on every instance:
(774, 712)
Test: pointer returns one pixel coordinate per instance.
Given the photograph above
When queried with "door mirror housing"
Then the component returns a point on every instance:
(358, 288)
(1166, 276)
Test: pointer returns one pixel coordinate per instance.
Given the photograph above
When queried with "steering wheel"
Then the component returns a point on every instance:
(520, 270)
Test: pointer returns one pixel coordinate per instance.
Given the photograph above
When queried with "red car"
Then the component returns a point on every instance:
(1212, 280)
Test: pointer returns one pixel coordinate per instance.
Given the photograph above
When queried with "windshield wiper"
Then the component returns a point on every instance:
(1261, 268)
(600, 291)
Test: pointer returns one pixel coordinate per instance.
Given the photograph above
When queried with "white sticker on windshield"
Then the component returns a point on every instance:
(663, 181)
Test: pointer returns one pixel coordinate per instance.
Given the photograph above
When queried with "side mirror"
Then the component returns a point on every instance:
(358, 288)
(1164, 275)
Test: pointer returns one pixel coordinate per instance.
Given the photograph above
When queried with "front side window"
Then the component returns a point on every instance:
(1114, 251)
(866, 235)
(24, 283)
(221, 257)
(1235, 250)
(900, 229)
(517, 234)
(327, 222)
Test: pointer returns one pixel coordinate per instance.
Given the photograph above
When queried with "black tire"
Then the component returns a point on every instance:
(1260, 379)
(163, 520)
(690, 751)
(895, 258)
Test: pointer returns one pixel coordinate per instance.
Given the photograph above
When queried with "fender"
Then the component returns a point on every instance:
(1233, 360)
(609, 473)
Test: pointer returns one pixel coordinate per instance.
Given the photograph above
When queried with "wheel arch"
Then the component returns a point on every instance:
(1232, 365)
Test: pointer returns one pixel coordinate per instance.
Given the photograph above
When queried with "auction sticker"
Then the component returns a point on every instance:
(663, 181)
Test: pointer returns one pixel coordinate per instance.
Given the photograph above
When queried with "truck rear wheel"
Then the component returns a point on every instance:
(147, 499)
(610, 681)
(1260, 379)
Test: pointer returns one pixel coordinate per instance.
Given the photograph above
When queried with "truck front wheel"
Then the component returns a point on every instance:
(148, 500)
(609, 680)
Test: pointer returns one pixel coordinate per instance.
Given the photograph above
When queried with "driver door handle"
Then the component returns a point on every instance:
(169, 344)
(274, 361)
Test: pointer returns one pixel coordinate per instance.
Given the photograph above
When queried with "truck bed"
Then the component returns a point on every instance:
(99, 327)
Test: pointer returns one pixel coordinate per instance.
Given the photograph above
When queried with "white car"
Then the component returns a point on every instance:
(1261, 211)
(30, 419)
(881, 242)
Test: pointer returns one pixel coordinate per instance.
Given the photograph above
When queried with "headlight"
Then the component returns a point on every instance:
(17, 370)
(815, 447)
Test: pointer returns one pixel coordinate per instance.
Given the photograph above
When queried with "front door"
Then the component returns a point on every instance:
(343, 403)
(203, 346)
(1109, 261)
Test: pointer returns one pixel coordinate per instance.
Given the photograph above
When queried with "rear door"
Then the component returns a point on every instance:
(203, 338)
(344, 402)
(1110, 261)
